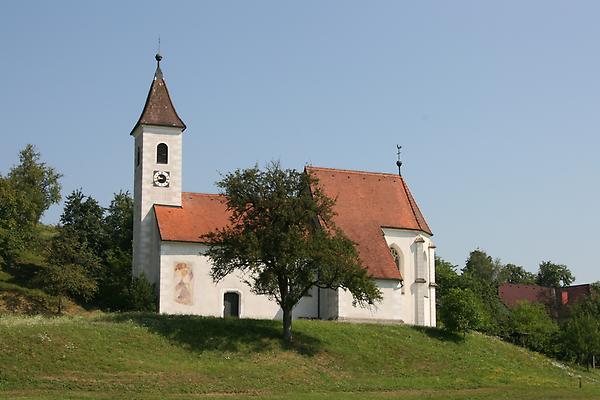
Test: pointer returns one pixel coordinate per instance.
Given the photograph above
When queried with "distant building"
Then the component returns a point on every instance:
(375, 210)
(510, 294)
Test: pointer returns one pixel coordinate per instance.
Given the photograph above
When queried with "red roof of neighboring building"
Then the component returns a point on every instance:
(159, 109)
(365, 202)
(511, 294)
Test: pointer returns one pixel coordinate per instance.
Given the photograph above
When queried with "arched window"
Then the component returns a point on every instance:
(397, 256)
(162, 154)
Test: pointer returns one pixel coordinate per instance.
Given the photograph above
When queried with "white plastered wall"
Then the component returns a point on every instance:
(207, 296)
(145, 238)
(415, 302)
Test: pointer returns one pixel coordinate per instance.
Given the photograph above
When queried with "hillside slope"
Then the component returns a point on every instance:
(153, 356)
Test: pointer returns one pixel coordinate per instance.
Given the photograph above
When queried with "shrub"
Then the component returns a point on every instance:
(460, 310)
(142, 294)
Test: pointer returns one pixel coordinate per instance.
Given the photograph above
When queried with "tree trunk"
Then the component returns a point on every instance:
(287, 325)
(59, 305)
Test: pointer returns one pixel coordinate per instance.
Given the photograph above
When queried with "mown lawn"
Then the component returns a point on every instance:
(155, 357)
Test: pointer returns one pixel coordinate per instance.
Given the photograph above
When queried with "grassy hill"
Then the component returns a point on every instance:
(156, 357)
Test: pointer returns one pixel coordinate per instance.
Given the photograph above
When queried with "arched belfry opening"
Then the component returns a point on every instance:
(162, 154)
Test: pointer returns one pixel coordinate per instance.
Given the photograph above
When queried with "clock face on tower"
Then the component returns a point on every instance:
(161, 178)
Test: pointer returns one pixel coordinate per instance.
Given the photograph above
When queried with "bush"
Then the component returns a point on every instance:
(532, 327)
(460, 310)
(142, 295)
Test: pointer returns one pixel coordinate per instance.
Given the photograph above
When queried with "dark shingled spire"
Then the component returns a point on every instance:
(159, 109)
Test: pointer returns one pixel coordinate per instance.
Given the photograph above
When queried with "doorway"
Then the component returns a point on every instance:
(231, 305)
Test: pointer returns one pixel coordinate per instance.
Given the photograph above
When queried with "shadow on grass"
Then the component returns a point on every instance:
(22, 274)
(203, 334)
(441, 334)
(24, 301)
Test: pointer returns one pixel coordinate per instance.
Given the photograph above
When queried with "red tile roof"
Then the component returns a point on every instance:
(365, 202)
(159, 109)
(511, 294)
(198, 215)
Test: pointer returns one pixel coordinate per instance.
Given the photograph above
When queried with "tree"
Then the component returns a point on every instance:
(28, 190)
(481, 275)
(17, 220)
(532, 324)
(460, 310)
(282, 236)
(481, 267)
(66, 248)
(83, 215)
(116, 282)
(118, 222)
(554, 275)
(66, 280)
(581, 332)
(446, 276)
(516, 274)
(39, 181)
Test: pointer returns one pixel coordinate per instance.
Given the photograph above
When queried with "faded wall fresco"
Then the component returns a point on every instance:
(184, 278)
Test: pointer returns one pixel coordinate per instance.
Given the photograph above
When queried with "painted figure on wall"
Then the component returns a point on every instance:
(183, 287)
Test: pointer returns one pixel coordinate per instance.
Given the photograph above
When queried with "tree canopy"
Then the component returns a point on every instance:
(554, 275)
(281, 234)
(26, 192)
(39, 181)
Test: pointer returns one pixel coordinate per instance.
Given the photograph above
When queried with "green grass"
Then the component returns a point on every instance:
(156, 357)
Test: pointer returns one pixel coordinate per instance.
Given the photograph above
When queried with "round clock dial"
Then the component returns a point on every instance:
(161, 178)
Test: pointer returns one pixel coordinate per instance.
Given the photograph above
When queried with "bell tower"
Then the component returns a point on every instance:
(157, 177)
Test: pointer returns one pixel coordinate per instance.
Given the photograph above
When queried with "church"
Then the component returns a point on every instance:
(375, 210)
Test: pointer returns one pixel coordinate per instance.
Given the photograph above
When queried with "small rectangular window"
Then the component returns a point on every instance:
(137, 157)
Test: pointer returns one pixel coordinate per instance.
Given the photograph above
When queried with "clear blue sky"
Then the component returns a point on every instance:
(496, 104)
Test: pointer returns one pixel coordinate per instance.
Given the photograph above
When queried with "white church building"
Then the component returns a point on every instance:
(375, 210)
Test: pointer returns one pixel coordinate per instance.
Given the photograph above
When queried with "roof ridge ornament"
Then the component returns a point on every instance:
(158, 74)
(399, 163)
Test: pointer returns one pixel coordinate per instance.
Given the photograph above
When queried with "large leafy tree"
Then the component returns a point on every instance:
(17, 220)
(39, 181)
(282, 236)
(66, 280)
(481, 267)
(26, 192)
(481, 275)
(512, 273)
(84, 215)
(581, 332)
(116, 283)
(531, 324)
(554, 275)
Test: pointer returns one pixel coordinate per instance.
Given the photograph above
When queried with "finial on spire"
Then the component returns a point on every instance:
(399, 163)
(158, 57)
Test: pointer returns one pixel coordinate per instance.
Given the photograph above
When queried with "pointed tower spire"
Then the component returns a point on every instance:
(159, 109)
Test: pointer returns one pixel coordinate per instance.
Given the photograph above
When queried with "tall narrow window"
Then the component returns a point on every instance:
(397, 256)
(162, 154)
(137, 157)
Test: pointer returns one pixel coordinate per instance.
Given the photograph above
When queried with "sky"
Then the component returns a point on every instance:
(496, 104)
